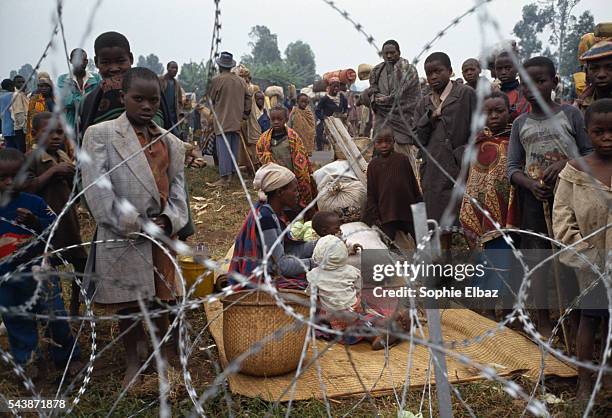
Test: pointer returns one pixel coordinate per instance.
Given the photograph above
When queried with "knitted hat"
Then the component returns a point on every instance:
(598, 51)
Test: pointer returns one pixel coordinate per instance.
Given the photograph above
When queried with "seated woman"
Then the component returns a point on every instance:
(289, 260)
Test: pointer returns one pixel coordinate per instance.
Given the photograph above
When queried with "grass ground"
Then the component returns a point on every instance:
(219, 214)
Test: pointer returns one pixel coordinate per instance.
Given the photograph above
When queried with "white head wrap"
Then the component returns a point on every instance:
(272, 177)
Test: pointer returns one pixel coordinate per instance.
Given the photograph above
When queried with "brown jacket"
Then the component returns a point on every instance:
(179, 94)
(445, 139)
(231, 98)
(57, 193)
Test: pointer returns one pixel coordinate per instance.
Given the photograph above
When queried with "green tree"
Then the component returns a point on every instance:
(527, 30)
(276, 73)
(556, 16)
(151, 62)
(569, 63)
(265, 61)
(193, 77)
(264, 46)
(301, 61)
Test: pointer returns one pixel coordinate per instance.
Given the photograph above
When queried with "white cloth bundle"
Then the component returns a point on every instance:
(342, 195)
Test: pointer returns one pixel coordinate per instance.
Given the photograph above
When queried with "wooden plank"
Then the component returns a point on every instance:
(341, 138)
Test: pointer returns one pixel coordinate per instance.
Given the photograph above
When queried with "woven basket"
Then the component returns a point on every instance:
(251, 316)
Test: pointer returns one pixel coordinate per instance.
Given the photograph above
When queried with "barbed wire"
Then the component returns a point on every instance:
(147, 313)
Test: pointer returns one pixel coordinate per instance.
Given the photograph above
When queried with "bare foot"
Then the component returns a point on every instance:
(585, 387)
(222, 182)
(75, 367)
(545, 328)
(172, 356)
(143, 350)
(130, 372)
(381, 341)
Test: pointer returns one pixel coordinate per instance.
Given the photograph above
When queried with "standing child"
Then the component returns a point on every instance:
(51, 173)
(42, 100)
(24, 216)
(489, 185)
(283, 146)
(334, 104)
(302, 120)
(146, 185)
(582, 207)
(443, 119)
(113, 57)
(539, 148)
(598, 62)
(392, 188)
(263, 119)
(506, 72)
(471, 72)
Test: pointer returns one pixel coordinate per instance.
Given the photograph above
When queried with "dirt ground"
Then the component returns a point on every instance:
(218, 214)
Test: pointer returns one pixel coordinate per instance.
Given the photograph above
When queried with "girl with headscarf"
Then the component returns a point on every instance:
(41, 101)
(290, 259)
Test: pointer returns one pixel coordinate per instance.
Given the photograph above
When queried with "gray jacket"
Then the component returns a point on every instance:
(124, 269)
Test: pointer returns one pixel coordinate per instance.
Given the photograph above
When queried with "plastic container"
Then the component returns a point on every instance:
(191, 272)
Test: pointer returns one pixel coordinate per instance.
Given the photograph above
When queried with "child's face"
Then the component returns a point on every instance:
(470, 72)
(8, 172)
(278, 120)
(600, 132)
(332, 227)
(44, 89)
(334, 88)
(54, 139)
(141, 101)
(438, 75)
(113, 61)
(303, 102)
(505, 69)
(19, 82)
(260, 100)
(497, 113)
(384, 144)
(543, 81)
(600, 73)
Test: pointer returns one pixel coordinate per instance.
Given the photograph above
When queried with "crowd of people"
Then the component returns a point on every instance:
(538, 165)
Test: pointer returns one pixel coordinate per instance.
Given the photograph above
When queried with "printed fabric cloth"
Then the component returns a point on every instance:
(489, 185)
(301, 164)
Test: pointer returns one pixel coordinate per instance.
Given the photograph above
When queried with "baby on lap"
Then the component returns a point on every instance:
(339, 286)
